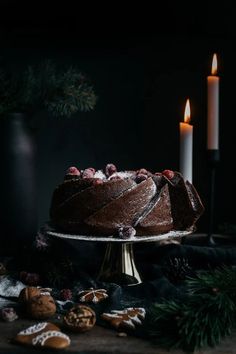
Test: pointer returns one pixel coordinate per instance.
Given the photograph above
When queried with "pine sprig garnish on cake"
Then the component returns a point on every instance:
(205, 317)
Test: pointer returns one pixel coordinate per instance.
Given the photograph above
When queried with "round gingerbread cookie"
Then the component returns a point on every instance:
(80, 318)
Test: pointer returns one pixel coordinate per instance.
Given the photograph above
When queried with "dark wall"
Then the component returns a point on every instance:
(143, 68)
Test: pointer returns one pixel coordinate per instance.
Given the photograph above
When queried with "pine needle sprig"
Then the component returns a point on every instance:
(62, 91)
(205, 317)
(220, 280)
(163, 319)
(71, 93)
(205, 322)
(8, 92)
(29, 92)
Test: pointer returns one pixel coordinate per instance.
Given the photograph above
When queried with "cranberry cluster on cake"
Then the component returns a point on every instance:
(124, 203)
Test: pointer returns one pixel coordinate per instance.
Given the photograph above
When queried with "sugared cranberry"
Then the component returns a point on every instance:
(8, 314)
(126, 232)
(110, 169)
(73, 171)
(88, 172)
(139, 178)
(97, 181)
(65, 294)
(142, 171)
(168, 173)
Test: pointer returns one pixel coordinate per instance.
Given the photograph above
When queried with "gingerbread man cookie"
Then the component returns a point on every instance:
(127, 318)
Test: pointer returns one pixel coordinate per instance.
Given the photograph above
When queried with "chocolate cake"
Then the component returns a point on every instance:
(109, 202)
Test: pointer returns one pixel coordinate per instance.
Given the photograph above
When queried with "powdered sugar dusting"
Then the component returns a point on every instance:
(124, 174)
(100, 174)
(169, 235)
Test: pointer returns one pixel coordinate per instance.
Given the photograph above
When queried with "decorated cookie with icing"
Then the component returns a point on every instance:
(79, 318)
(43, 334)
(127, 318)
(28, 292)
(93, 295)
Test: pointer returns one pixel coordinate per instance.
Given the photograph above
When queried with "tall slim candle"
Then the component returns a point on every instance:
(186, 145)
(213, 107)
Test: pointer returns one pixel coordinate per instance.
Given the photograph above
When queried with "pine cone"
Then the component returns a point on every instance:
(176, 269)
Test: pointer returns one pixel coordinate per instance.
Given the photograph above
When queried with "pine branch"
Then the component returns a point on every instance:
(8, 92)
(221, 280)
(70, 94)
(61, 92)
(204, 319)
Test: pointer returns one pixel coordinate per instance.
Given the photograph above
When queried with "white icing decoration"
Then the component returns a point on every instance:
(82, 299)
(141, 310)
(132, 320)
(43, 337)
(122, 312)
(124, 174)
(34, 329)
(95, 299)
(135, 319)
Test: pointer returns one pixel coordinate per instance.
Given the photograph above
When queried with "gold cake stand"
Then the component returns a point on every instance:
(118, 265)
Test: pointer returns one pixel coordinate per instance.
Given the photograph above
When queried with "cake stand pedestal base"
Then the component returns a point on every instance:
(118, 265)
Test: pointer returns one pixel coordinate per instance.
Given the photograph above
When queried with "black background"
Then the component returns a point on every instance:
(144, 62)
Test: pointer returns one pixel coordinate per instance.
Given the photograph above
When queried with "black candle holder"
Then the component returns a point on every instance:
(213, 157)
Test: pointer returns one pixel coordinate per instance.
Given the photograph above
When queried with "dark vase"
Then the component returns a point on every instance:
(18, 206)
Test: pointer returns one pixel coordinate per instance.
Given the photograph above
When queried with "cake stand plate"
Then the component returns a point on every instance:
(118, 265)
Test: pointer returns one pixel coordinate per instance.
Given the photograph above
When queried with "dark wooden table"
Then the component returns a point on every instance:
(105, 341)
(99, 340)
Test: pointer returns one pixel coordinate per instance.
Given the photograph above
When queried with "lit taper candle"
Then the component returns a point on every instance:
(186, 145)
(213, 107)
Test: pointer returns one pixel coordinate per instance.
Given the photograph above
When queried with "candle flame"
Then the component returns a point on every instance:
(187, 112)
(214, 65)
